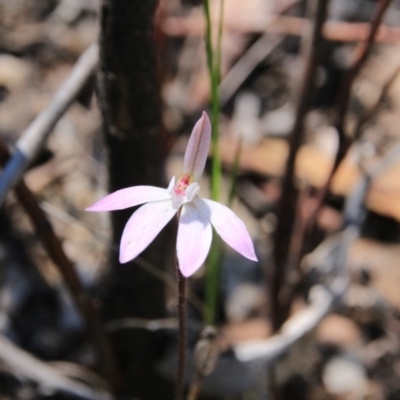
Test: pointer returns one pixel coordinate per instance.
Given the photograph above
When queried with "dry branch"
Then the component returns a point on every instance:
(33, 139)
(322, 298)
(343, 99)
(366, 118)
(289, 195)
(288, 25)
(322, 301)
(67, 270)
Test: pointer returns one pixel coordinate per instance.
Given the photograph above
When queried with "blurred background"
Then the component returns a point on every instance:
(309, 120)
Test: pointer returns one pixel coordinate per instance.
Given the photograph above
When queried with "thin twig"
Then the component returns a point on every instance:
(369, 115)
(296, 251)
(253, 56)
(337, 31)
(55, 251)
(213, 59)
(363, 51)
(33, 139)
(322, 299)
(152, 325)
(387, 160)
(287, 205)
(342, 104)
(257, 52)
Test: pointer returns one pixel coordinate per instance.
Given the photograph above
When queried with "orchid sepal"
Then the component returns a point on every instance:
(196, 215)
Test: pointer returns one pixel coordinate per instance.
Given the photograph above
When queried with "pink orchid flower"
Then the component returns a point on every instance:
(196, 214)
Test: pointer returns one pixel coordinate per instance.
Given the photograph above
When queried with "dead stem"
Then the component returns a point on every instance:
(195, 387)
(34, 138)
(342, 103)
(289, 195)
(56, 253)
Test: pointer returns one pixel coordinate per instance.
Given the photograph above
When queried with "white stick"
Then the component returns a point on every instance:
(33, 139)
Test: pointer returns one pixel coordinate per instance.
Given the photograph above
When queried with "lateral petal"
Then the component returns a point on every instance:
(130, 197)
(194, 239)
(142, 227)
(197, 148)
(229, 226)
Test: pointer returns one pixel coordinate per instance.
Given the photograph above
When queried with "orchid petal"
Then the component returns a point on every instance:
(192, 190)
(177, 200)
(143, 226)
(197, 148)
(194, 239)
(171, 185)
(229, 226)
(130, 197)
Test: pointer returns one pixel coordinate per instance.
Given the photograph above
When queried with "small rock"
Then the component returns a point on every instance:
(344, 375)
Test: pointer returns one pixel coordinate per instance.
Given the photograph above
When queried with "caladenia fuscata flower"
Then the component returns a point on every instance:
(196, 215)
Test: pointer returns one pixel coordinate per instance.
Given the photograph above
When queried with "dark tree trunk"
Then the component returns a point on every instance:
(136, 145)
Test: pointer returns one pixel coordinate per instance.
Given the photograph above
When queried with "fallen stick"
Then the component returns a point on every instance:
(303, 322)
(83, 302)
(33, 139)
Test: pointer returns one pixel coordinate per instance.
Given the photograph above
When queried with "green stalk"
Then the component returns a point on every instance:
(219, 43)
(213, 63)
(214, 66)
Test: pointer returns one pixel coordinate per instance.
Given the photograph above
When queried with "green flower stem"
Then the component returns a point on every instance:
(219, 42)
(213, 63)
(214, 66)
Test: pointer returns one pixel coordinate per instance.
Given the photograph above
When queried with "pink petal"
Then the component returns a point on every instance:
(197, 148)
(143, 226)
(130, 197)
(229, 226)
(194, 239)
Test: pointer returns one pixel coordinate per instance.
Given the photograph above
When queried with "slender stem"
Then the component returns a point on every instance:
(213, 63)
(287, 206)
(219, 41)
(180, 372)
(342, 103)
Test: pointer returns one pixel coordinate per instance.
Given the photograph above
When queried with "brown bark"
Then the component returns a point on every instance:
(136, 145)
